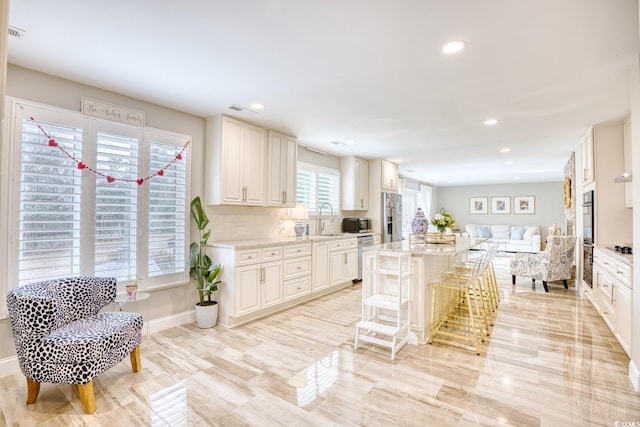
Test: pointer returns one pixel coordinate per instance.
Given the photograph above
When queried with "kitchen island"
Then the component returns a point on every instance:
(427, 261)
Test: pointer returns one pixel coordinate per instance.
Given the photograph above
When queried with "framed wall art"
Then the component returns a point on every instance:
(524, 204)
(478, 205)
(501, 205)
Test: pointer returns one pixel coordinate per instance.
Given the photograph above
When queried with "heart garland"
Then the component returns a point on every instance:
(80, 165)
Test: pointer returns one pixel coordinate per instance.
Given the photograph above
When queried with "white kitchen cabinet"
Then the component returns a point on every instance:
(587, 158)
(235, 163)
(259, 286)
(628, 186)
(320, 273)
(390, 176)
(613, 222)
(623, 317)
(297, 270)
(343, 261)
(281, 166)
(355, 183)
(611, 296)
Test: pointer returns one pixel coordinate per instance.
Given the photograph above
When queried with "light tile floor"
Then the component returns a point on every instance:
(550, 361)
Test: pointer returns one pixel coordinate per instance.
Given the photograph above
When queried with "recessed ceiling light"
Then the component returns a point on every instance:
(490, 122)
(505, 150)
(509, 163)
(517, 178)
(257, 106)
(454, 46)
(349, 142)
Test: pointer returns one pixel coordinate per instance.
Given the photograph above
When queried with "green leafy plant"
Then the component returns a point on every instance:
(201, 268)
(443, 220)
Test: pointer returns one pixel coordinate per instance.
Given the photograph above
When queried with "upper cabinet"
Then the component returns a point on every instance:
(355, 183)
(587, 158)
(282, 160)
(613, 221)
(390, 176)
(235, 163)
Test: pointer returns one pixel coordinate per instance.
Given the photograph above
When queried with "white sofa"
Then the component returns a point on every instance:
(511, 238)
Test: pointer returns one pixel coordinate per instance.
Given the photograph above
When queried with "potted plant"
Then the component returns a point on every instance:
(203, 270)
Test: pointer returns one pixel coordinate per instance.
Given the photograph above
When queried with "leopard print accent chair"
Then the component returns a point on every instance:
(61, 337)
(554, 263)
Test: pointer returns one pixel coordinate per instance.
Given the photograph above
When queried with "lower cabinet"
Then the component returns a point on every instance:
(297, 271)
(611, 295)
(343, 261)
(320, 274)
(259, 286)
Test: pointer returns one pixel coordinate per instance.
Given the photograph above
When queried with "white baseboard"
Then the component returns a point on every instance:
(167, 322)
(10, 366)
(634, 375)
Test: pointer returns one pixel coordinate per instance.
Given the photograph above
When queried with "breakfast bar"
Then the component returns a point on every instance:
(427, 261)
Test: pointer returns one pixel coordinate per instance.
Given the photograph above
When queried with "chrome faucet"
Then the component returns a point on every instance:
(320, 221)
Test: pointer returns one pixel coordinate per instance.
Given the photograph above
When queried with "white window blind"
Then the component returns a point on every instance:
(317, 185)
(116, 206)
(167, 218)
(48, 241)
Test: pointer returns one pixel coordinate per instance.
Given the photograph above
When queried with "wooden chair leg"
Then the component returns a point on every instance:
(87, 398)
(33, 389)
(564, 282)
(513, 279)
(546, 289)
(136, 364)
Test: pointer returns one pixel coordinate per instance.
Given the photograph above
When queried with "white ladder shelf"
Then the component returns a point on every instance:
(386, 302)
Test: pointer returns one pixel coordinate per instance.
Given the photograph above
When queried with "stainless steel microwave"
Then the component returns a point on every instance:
(356, 225)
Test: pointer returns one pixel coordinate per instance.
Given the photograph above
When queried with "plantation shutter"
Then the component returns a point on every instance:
(167, 217)
(49, 208)
(116, 205)
(317, 185)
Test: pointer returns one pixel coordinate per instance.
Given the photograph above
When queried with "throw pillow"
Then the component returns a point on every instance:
(501, 235)
(482, 232)
(529, 232)
(516, 233)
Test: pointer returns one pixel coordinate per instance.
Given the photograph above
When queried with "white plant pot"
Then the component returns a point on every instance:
(206, 315)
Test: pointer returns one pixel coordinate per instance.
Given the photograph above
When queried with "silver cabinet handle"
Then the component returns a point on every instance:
(262, 274)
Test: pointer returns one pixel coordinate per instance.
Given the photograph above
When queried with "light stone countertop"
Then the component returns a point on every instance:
(461, 245)
(283, 241)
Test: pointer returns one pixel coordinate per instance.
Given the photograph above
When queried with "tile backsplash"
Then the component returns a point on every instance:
(241, 223)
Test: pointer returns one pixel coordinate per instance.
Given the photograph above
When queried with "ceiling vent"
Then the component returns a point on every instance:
(16, 32)
(243, 110)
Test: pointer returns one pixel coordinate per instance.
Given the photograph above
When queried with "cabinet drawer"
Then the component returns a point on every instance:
(344, 244)
(297, 250)
(297, 267)
(247, 256)
(296, 288)
(623, 273)
(271, 254)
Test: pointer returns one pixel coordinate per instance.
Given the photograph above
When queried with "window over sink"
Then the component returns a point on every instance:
(317, 185)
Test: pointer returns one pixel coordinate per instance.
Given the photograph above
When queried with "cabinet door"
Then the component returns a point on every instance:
(336, 268)
(587, 158)
(362, 184)
(290, 170)
(231, 183)
(254, 154)
(248, 282)
(389, 176)
(271, 287)
(275, 192)
(623, 316)
(350, 270)
(320, 273)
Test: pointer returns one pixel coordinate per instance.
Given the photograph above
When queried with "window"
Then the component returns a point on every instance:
(68, 221)
(317, 185)
(411, 201)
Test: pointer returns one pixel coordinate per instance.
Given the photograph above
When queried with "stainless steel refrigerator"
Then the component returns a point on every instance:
(391, 217)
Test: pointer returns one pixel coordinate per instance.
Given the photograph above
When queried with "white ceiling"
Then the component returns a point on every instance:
(370, 71)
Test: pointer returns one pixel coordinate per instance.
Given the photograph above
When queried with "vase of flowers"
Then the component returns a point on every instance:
(442, 221)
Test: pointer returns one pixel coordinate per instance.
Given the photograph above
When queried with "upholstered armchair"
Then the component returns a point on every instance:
(554, 263)
(62, 338)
